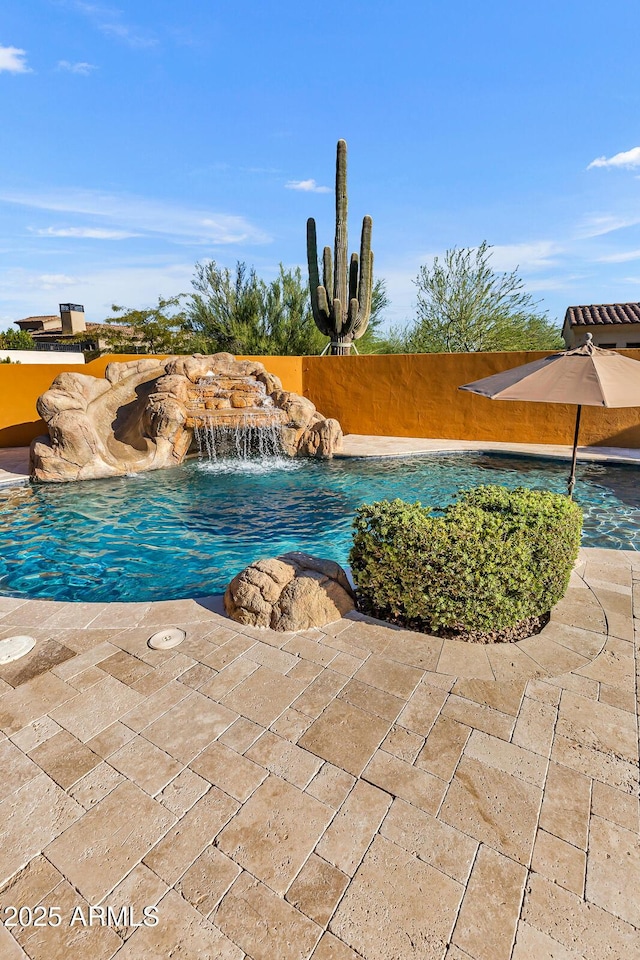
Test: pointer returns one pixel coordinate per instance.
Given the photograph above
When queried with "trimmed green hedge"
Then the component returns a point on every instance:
(493, 558)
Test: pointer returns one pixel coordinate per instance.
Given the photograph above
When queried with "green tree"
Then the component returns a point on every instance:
(464, 306)
(159, 329)
(235, 312)
(289, 320)
(16, 340)
(242, 314)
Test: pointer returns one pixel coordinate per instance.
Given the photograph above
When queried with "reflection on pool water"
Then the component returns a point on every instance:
(188, 531)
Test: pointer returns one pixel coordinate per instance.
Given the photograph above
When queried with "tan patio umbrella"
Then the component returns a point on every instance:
(586, 376)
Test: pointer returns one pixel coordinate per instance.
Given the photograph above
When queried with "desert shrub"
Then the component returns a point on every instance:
(16, 340)
(493, 558)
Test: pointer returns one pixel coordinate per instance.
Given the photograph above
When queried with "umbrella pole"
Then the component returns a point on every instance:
(572, 477)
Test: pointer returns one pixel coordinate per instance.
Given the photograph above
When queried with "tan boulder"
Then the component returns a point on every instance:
(293, 592)
(270, 381)
(173, 386)
(299, 410)
(164, 417)
(48, 465)
(322, 439)
(81, 384)
(198, 366)
(146, 369)
(53, 402)
(75, 436)
(70, 391)
(143, 414)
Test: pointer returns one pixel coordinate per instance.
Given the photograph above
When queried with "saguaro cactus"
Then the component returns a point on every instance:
(342, 303)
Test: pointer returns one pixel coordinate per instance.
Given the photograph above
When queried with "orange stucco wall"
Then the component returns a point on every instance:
(405, 396)
(416, 396)
(22, 384)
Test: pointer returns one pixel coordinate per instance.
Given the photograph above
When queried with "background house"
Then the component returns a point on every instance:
(612, 325)
(70, 332)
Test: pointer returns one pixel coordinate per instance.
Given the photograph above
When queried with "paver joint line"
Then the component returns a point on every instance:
(323, 780)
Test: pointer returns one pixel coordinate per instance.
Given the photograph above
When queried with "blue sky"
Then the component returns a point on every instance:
(140, 137)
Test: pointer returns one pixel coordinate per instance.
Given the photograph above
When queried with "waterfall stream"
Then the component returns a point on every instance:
(235, 419)
(250, 437)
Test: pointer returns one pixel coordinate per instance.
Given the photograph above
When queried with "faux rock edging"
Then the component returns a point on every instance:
(292, 592)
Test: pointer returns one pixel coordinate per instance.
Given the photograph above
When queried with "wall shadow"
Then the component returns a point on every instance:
(21, 434)
(630, 438)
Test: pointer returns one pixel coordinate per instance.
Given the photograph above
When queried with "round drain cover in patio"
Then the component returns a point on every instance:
(166, 639)
(15, 647)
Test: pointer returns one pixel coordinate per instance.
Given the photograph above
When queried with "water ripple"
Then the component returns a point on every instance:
(188, 531)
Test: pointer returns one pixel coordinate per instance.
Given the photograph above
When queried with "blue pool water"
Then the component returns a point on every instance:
(188, 531)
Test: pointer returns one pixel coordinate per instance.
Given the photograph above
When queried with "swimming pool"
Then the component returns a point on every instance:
(188, 531)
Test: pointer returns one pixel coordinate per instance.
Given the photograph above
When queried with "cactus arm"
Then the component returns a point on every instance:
(353, 277)
(365, 258)
(366, 279)
(327, 269)
(312, 263)
(323, 303)
(312, 253)
(364, 311)
(337, 327)
(319, 305)
(352, 312)
(340, 254)
(323, 320)
(352, 317)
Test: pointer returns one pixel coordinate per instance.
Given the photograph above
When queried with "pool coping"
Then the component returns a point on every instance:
(360, 445)
(14, 461)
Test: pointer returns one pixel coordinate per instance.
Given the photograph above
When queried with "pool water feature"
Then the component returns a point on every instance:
(188, 531)
(233, 416)
(246, 440)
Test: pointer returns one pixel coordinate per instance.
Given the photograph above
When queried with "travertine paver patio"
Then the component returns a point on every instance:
(358, 791)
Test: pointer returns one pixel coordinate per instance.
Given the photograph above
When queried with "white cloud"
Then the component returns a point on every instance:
(308, 186)
(624, 256)
(12, 60)
(51, 281)
(128, 213)
(524, 256)
(601, 225)
(89, 233)
(628, 159)
(81, 67)
(109, 20)
(129, 35)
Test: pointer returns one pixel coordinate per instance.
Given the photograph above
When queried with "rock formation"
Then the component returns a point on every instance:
(144, 413)
(291, 592)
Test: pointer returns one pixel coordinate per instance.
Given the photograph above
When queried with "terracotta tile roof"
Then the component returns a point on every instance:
(600, 314)
(48, 316)
(110, 328)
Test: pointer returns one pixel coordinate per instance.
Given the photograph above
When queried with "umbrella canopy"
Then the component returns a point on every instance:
(586, 376)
